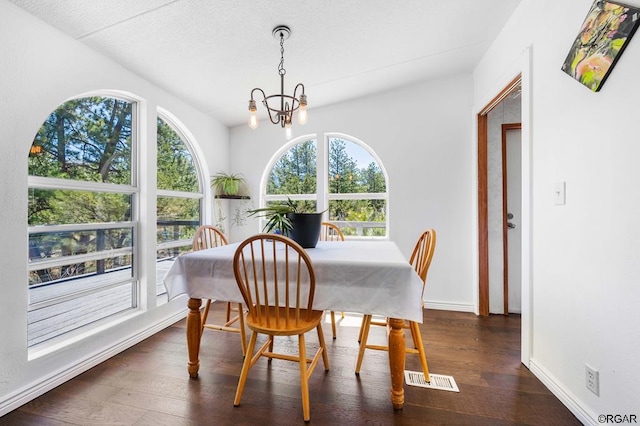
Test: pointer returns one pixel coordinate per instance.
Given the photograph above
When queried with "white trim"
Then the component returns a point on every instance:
(526, 344)
(293, 197)
(577, 407)
(45, 384)
(39, 229)
(179, 194)
(173, 244)
(449, 306)
(52, 262)
(359, 196)
(79, 185)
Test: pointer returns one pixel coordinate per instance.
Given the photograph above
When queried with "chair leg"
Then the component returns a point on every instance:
(364, 335)
(304, 378)
(361, 328)
(333, 323)
(246, 365)
(325, 355)
(417, 342)
(229, 311)
(243, 333)
(204, 315)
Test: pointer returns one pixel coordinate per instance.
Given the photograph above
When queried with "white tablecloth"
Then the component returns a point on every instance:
(371, 277)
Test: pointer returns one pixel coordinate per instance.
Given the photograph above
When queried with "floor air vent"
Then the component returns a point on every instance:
(438, 381)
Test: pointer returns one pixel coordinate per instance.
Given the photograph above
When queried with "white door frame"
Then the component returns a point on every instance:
(521, 67)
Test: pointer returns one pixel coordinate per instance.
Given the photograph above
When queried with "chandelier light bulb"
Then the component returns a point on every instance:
(287, 129)
(303, 116)
(253, 118)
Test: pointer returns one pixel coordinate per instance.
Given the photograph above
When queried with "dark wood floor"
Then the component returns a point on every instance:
(148, 384)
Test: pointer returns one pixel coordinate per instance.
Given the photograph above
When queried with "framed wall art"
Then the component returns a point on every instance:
(605, 33)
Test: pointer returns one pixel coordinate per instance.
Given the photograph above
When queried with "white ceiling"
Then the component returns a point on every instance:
(211, 53)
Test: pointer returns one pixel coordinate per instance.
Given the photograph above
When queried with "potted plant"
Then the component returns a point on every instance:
(289, 220)
(227, 185)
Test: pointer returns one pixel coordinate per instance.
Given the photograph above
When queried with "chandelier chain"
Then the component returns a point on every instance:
(281, 69)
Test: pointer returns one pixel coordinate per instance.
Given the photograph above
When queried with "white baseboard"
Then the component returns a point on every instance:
(34, 390)
(570, 401)
(448, 306)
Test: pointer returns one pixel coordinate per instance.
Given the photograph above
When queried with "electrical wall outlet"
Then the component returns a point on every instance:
(592, 379)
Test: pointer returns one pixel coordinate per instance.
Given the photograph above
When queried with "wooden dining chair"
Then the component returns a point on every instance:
(208, 236)
(331, 232)
(420, 260)
(280, 302)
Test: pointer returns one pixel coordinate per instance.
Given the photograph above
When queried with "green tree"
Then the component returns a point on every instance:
(344, 175)
(85, 139)
(295, 172)
(176, 168)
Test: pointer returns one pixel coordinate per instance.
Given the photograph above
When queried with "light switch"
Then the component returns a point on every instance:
(559, 189)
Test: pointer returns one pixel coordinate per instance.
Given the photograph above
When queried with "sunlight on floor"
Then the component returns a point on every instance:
(350, 319)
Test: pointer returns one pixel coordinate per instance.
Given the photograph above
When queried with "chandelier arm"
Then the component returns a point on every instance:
(295, 90)
(266, 105)
(260, 90)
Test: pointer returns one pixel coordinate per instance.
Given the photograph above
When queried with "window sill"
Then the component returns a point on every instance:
(233, 197)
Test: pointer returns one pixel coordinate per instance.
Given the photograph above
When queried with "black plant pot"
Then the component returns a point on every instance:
(306, 228)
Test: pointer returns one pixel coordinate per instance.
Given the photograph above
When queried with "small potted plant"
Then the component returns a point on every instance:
(227, 185)
(289, 220)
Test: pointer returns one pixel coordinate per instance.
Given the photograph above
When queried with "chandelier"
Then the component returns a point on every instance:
(280, 106)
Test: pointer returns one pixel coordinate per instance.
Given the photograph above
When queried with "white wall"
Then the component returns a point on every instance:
(585, 270)
(41, 68)
(421, 135)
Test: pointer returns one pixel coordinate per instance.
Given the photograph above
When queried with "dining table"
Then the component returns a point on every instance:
(360, 276)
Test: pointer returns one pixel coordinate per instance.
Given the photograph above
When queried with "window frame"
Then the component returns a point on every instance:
(322, 197)
(203, 194)
(132, 190)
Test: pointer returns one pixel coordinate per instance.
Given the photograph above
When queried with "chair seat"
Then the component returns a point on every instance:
(282, 329)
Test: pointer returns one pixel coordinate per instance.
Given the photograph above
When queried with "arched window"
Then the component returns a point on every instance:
(351, 184)
(180, 197)
(82, 216)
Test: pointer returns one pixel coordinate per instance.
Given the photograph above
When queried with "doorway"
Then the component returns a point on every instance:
(512, 213)
(496, 121)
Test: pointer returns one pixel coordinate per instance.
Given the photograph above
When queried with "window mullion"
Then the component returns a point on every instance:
(322, 174)
(70, 184)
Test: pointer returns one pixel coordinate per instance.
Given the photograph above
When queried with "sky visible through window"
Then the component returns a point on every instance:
(359, 155)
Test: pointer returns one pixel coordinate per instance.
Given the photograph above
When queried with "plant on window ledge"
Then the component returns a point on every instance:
(227, 185)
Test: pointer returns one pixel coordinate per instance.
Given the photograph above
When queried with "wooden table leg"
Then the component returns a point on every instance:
(396, 361)
(194, 329)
